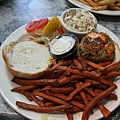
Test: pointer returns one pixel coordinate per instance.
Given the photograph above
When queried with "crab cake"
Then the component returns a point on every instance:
(97, 47)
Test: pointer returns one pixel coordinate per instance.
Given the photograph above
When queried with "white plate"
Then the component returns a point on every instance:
(11, 97)
(103, 12)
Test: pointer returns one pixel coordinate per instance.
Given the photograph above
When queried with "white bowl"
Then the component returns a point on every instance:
(84, 21)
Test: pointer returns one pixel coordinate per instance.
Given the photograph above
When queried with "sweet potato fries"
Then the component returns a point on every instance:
(70, 86)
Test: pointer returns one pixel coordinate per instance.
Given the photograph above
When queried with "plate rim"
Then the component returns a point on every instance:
(26, 113)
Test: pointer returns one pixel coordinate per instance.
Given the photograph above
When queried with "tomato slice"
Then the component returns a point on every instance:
(60, 30)
(37, 24)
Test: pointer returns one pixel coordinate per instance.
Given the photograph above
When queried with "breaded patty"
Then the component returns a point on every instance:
(97, 47)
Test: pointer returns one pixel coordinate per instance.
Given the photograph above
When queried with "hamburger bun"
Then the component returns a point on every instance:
(26, 59)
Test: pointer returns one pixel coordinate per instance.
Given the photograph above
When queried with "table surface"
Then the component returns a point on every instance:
(15, 13)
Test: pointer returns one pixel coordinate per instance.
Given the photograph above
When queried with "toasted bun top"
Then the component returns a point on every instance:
(26, 59)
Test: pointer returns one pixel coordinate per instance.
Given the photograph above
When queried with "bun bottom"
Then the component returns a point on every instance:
(27, 59)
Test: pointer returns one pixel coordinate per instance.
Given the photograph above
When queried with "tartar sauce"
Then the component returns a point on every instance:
(81, 21)
(61, 45)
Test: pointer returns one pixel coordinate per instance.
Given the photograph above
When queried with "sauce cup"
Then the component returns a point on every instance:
(64, 46)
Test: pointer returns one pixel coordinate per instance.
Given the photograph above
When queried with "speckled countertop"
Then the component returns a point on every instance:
(15, 13)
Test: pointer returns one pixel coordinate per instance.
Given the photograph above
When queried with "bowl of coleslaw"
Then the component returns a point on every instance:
(78, 21)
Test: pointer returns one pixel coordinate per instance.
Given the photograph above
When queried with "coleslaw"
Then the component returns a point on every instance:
(81, 21)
